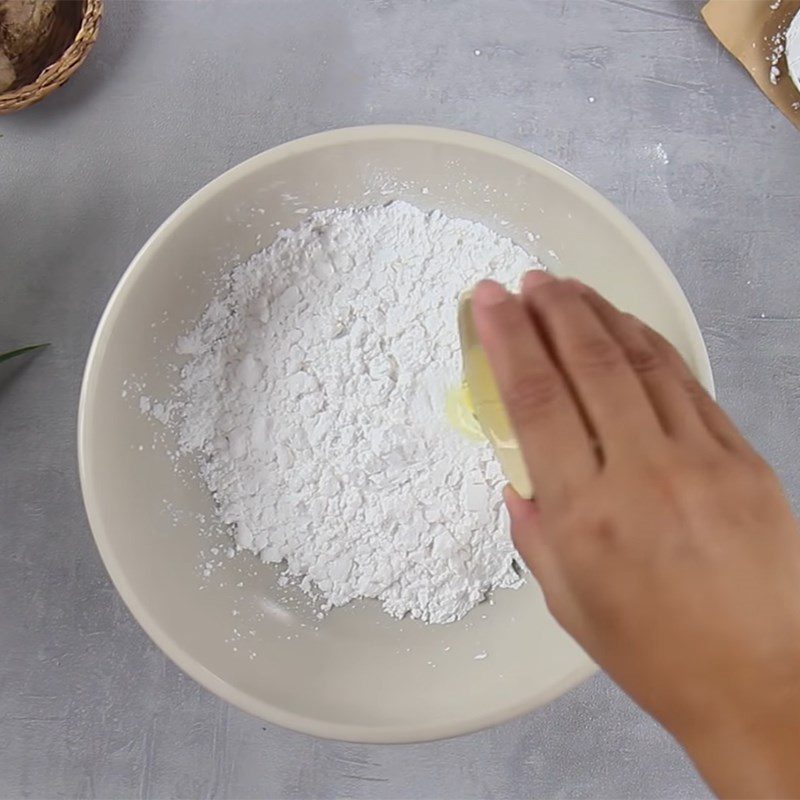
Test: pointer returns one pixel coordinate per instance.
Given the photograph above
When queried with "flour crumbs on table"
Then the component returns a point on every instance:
(312, 397)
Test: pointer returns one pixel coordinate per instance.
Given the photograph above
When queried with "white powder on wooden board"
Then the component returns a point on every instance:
(777, 43)
(314, 397)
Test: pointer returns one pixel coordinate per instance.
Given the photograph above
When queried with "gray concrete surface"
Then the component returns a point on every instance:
(175, 93)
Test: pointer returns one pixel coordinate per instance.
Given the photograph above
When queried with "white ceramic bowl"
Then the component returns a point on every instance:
(793, 50)
(356, 675)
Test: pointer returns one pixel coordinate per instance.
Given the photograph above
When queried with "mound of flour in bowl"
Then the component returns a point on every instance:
(314, 395)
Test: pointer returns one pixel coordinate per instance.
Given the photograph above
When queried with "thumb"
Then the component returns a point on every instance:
(533, 546)
(526, 529)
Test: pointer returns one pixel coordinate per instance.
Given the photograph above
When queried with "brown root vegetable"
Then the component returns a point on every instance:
(24, 24)
(7, 72)
(26, 28)
(44, 42)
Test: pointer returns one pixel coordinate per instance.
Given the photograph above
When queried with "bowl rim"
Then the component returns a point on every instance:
(388, 734)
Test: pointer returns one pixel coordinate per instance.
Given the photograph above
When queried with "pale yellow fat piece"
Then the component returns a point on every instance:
(482, 398)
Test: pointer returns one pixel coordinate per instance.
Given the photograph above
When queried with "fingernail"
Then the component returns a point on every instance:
(535, 278)
(489, 293)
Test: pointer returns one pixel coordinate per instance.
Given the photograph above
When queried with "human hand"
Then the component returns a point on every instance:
(662, 542)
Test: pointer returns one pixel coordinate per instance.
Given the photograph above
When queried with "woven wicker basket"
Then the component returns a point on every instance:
(60, 50)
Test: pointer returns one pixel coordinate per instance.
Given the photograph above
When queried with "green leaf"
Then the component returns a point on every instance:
(13, 353)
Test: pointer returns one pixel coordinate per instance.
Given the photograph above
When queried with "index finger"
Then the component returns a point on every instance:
(552, 435)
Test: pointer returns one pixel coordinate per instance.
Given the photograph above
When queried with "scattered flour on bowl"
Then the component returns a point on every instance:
(313, 396)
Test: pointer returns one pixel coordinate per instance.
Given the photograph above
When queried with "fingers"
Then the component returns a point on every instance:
(713, 417)
(607, 387)
(546, 420)
(683, 407)
(664, 384)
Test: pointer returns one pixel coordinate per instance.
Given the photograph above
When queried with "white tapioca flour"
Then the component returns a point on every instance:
(313, 395)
